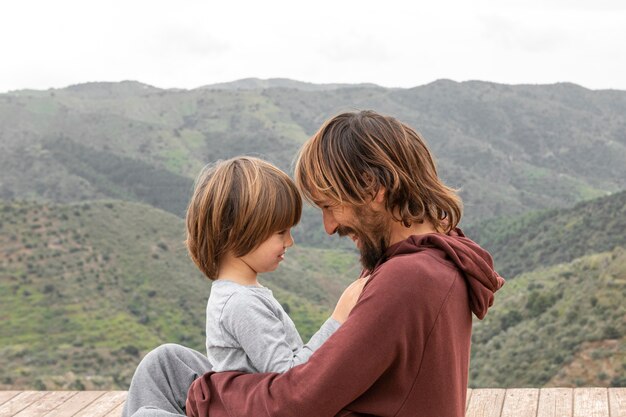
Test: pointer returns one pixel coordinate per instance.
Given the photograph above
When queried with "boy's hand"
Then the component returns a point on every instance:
(348, 299)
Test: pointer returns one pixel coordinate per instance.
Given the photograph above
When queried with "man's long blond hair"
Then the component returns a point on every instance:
(236, 205)
(354, 154)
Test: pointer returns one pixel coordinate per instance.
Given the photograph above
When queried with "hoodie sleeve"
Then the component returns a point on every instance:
(375, 336)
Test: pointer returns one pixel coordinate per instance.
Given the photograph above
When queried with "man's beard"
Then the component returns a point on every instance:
(372, 234)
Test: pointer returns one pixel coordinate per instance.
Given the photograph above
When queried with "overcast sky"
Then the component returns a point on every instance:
(188, 43)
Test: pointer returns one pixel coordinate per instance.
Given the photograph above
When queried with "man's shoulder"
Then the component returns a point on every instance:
(427, 260)
(419, 284)
(428, 267)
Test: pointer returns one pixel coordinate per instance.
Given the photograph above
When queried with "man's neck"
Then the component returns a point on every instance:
(399, 232)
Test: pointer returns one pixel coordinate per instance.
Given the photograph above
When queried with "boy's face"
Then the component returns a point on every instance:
(267, 256)
(367, 227)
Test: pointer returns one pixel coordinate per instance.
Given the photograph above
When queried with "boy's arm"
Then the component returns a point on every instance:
(329, 327)
(263, 337)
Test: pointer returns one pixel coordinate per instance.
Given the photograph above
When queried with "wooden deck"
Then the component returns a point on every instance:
(546, 402)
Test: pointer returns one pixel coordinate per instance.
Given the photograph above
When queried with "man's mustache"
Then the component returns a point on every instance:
(345, 231)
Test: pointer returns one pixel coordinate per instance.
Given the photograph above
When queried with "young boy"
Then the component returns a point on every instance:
(239, 225)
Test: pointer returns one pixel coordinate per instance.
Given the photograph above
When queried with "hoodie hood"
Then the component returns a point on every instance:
(474, 262)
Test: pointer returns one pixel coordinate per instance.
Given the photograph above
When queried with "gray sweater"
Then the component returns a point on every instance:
(248, 330)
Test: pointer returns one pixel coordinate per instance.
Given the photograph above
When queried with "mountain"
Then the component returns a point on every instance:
(510, 149)
(105, 281)
(260, 84)
(87, 288)
(557, 326)
(95, 178)
(540, 239)
(561, 320)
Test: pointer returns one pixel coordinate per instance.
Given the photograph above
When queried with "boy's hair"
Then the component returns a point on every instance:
(354, 154)
(236, 205)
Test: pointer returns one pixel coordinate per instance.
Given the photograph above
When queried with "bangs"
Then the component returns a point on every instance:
(310, 175)
(269, 202)
(332, 168)
(287, 209)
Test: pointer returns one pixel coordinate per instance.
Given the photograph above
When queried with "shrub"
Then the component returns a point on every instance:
(611, 332)
(77, 385)
(131, 350)
(619, 381)
(510, 319)
(39, 385)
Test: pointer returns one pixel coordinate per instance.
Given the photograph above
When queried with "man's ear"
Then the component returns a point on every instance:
(380, 195)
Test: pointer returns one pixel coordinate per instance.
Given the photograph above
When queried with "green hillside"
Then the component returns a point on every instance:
(95, 178)
(122, 177)
(559, 326)
(545, 238)
(510, 149)
(86, 289)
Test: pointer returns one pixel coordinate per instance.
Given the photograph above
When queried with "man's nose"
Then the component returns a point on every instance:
(330, 224)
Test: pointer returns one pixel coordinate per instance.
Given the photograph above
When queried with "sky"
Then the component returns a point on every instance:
(190, 43)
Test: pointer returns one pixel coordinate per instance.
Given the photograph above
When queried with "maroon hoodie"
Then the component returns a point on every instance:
(404, 350)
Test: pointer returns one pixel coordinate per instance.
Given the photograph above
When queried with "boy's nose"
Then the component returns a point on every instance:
(330, 223)
(288, 241)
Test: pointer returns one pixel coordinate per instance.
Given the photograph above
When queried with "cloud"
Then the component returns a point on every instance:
(533, 33)
(354, 47)
(399, 43)
(181, 40)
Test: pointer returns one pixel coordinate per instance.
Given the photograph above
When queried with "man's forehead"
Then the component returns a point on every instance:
(321, 200)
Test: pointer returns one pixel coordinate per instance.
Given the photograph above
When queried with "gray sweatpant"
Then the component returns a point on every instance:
(160, 383)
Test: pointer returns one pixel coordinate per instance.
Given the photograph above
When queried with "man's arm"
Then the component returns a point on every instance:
(347, 365)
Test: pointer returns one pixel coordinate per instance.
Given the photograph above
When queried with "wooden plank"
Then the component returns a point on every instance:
(75, 404)
(20, 402)
(7, 395)
(46, 404)
(486, 403)
(103, 405)
(467, 398)
(617, 402)
(556, 402)
(591, 402)
(520, 402)
(117, 411)
(546, 402)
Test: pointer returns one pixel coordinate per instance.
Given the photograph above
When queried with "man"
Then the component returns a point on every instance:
(404, 350)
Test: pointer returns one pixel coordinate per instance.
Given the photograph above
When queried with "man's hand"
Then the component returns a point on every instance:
(348, 299)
